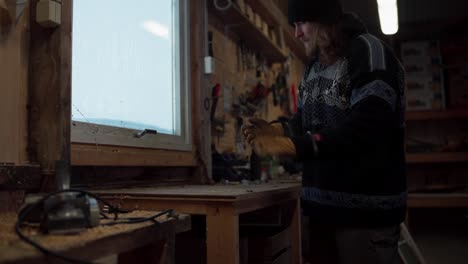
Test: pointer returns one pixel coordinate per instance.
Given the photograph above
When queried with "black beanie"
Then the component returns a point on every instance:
(322, 11)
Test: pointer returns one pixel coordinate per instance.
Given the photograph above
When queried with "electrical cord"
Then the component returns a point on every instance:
(111, 209)
(136, 220)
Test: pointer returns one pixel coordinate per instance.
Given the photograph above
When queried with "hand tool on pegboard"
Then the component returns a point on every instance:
(294, 98)
(215, 90)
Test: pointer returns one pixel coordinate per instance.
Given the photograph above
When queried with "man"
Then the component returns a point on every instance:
(348, 133)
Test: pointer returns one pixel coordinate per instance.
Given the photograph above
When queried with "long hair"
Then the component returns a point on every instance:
(331, 42)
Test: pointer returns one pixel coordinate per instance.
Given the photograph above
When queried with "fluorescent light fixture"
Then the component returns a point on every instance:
(388, 14)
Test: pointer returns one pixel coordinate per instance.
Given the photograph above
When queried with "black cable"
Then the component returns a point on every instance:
(21, 217)
(140, 219)
(112, 209)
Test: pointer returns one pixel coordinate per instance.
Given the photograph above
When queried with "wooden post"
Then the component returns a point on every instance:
(14, 53)
(50, 91)
(200, 117)
(295, 229)
(222, 237)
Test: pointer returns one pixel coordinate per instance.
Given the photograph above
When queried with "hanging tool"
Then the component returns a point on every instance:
(210, 43)
(273, 89)
(294, 98)
(215, 90)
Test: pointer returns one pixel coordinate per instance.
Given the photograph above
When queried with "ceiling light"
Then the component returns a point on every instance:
(388, 14)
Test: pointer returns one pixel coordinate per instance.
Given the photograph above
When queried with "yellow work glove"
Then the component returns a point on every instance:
(259, 127)
(274, 146)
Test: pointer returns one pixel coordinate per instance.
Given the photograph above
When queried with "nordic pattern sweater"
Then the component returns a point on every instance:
(349, 134)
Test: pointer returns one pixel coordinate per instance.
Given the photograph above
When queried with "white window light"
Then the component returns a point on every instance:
(130, 73)
(388, 14)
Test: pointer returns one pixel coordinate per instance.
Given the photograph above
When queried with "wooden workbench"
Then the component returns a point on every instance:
(133, 243)
(222, 205)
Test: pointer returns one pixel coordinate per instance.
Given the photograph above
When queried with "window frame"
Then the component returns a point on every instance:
(87, 133)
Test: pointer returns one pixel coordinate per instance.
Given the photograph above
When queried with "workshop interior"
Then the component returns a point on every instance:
(125, 129)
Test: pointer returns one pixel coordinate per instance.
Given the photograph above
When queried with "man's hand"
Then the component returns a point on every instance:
(259, 127)
(274, 146)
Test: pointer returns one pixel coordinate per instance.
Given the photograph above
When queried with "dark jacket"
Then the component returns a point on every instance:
(349, 134)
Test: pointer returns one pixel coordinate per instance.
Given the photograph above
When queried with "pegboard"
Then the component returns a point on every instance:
(236, 71)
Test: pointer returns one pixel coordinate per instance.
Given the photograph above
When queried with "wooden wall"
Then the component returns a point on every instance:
(14, 58)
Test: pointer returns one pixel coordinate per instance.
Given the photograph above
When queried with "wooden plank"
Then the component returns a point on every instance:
(439, 115)
(251, 203)
(439, 157)
(222, 237)
(50, 90)
(201, 125)
(186, 206)
(206, 191)
(64, 88)
(83, 154)
(200, 205)
(438, 200)
(14, 53)
(116, 177)
(296, 239)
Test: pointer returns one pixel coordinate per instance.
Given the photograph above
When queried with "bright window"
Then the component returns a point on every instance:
(130, 73)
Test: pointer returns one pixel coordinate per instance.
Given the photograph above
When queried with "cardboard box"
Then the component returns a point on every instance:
(458, 87)
(424, 76)
(419, 101)
(414, 49)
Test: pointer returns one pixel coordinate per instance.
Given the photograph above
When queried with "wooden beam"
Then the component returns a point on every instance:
(83, 155)
(50, 90)
(201, 125)
(105, 177)
(438, 200)
(14, 53)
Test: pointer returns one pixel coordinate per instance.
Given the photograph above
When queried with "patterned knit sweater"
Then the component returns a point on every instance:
(349, 134)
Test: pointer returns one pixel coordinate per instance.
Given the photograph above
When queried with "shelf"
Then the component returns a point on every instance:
(437, 115)
(272, 14)
(439, 157)
(437, 200)
(242, 27)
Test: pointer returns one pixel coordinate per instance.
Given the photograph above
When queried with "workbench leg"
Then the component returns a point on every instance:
(222, 237)
(296, 239)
